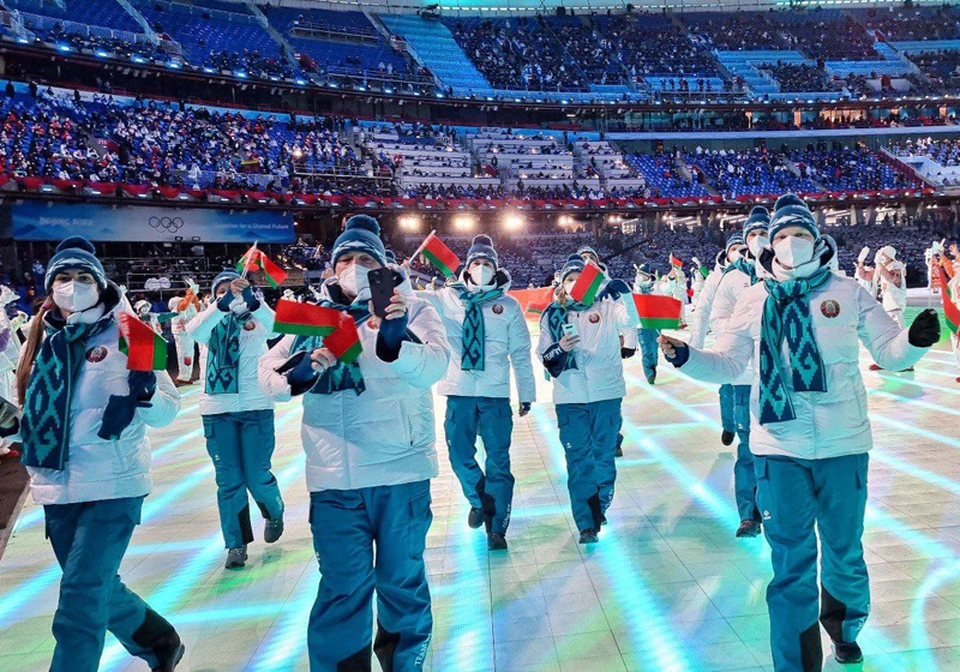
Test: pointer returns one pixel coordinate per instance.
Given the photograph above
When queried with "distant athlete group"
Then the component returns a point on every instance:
(787, 326)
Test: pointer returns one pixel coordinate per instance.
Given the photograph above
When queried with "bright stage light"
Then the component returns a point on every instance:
(464, 222)
(409, 222)
(513, 222)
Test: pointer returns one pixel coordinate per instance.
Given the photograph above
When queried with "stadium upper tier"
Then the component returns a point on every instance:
(62, 141)
(637, 56)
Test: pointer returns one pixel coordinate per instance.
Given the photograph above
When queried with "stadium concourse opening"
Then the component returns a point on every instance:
(609, 336)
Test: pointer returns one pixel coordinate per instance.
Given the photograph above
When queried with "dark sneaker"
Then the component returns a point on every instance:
(236, 557)
(589, 536)
(727, 437)
(496, 542)
(169, 651)
(475, 518)
(619, 451)
(603, 520)
(272, 530)
(848, 654)
(748, 529)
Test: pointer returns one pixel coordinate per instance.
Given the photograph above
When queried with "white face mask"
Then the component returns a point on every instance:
(481, 275)
(354, 283)
(756, 244)
(793, 251)
(733, 255)
(645, 284)
(75, 297)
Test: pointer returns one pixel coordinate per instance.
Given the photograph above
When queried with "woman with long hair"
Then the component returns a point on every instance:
(83, 429)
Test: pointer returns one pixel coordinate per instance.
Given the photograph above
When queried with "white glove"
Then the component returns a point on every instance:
(7, 295)
(191, 283)
(123, 290)
(864, 254)
(239, 306)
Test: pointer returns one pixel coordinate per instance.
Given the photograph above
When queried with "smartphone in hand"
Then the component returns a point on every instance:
(570, 329)
(381, 289)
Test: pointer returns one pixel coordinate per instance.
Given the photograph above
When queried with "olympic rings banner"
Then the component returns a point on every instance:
(38, 220)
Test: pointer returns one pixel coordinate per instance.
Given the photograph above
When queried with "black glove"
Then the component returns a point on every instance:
(627, 353)
(142, 384)
(925, 330)
(613, 290)
(524, 408)
(392, 335)
(118, 415)
(224, 302)
(253, 303)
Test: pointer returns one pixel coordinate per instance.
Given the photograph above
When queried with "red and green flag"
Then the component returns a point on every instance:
(255, 260)
(304, 319)
(675, 261)
(587, 285)
(950, 309)
(146, 350)
(344, 341)
(654, 311)
(440, 255)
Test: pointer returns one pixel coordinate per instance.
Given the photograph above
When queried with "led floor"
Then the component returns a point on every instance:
(667, 587)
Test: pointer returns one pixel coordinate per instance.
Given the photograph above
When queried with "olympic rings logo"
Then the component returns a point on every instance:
(168, 224)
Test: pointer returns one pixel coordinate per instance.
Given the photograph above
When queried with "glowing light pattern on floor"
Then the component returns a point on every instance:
(667, 588)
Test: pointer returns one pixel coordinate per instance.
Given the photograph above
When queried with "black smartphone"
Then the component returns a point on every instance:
(381, 289)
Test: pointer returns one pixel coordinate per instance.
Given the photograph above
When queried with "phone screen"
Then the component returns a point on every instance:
(381, 289)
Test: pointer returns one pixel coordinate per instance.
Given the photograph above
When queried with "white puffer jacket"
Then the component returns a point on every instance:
(507, 342)
(828, 424)
(599, 372)
(384, 436)
(700, 322)
(98, 469)
(733, 283)
(253, 346)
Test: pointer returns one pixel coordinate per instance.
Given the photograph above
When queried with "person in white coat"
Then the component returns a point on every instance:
(891, 278)
(700, 326)
(9, 353)
(802, 327)
(238, 420)
(739, 275)
(84, 434)
(488, 336)
(368, 434)
(185, 308)
(580, 348)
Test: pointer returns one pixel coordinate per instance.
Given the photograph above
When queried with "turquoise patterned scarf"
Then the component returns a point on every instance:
(45, 426)
(786, 314)
(474, 337)
(745, 266)
(223, 355)
(341, 376)
(556, 318)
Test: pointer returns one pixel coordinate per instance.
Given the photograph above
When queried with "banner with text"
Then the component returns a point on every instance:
(38, 220)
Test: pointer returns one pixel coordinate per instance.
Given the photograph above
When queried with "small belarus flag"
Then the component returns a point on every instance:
(704, 271)
(440, 255)
(675, 261)
(587, 285)
(255, 260)
(344, 342)
(950, 310)
(653, 310)
(145, 349)
(304, 319)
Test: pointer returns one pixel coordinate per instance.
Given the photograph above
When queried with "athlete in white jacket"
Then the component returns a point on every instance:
(811, 431)
(368, 433)
(580, 348)
(700, 326)
(186, 308)
(487, 334)
(237, 416)
(83, 429)
(739, 275)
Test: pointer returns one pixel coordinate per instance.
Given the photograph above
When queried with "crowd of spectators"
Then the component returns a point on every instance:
(829, 37)
(902, 23)
(840, 168)
(519, 53)
(945, 151)
(738, 31)
(756, 171)
(798, 77)
(651, 44)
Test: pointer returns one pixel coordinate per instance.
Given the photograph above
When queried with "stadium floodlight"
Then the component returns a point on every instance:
(209, 70)
(241, 74)
(302, 82)
(102, 54)
(409, 222)
(64, 47)
(464, 222)
(137, 58)
(513, 222)
(173, 65)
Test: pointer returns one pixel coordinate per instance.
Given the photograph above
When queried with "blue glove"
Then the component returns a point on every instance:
(253, 303)
(299, 372)
(613, 290)
(143, 384)
(683, 354)
(392, 335)
(224, 302)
